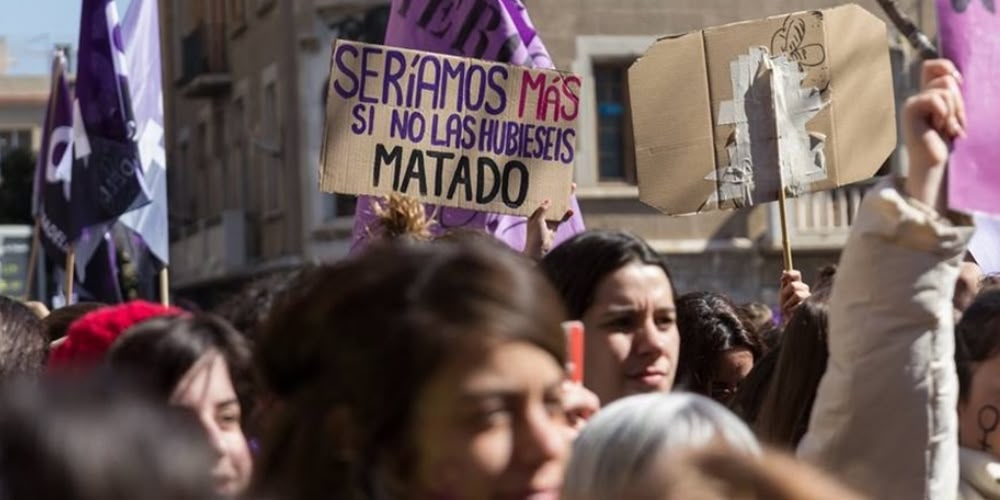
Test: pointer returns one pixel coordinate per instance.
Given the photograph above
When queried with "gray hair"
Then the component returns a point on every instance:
(631, 433)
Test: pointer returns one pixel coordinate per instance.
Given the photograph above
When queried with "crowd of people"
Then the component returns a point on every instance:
(437, 369)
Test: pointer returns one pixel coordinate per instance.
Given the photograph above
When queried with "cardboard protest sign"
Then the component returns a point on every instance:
(970, 37)
(501, 30)
(452, 131)
(725, 116)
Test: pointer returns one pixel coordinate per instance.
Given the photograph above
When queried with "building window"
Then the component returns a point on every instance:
(616, 155)
(272, 140)
(14, 139)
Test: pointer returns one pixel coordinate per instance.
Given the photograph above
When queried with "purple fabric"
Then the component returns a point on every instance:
(107, 170)
(970, 37)
(141, 32)
(498, 30)
(107, 182)
(101, 283)
(55, 162)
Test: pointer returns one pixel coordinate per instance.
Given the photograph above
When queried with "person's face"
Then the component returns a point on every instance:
(732, 367)
(631, 339)
(979, 413)
(492, 426)
(207, 390)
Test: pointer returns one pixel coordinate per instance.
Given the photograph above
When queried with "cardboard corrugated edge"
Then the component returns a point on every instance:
(327, 120)
(646, 79)
(861, 40)
(869, 88)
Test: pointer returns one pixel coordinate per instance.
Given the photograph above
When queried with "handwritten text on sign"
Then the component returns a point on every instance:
(453, 131)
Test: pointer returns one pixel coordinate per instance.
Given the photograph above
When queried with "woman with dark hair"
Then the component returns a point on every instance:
(201, 363)
(417, 371)
(94, 439)
(977, 357)
(784, 416)
(621, 290)
(717, 352)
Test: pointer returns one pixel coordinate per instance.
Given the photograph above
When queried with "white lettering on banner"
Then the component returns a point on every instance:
(60, 169)
(53, 233)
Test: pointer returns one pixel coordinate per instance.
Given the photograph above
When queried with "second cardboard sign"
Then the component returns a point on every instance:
(726, 116)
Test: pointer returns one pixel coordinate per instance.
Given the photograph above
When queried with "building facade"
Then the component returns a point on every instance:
(22, 107)
(245, 84)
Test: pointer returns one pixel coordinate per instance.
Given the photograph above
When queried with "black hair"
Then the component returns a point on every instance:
(709, 326)
(784, 416)
(577, 266)
(977, 337)
(160, 351)
(248, 309)
(23, 345)
(750, 398)
(57, 322)
(92, 439)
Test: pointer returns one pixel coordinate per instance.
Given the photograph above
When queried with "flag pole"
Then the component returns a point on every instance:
(909, 29)
(36, 195)
(165, 287)
(32, 261)
(786, 241)
(70, 273)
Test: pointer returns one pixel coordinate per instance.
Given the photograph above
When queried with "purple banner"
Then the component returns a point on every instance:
(107, 171)
(498, 30)
(55, 163)
(141, 31)
(970, 37)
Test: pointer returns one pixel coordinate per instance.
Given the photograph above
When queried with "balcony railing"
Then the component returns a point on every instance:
(818, 221)
(204, 68)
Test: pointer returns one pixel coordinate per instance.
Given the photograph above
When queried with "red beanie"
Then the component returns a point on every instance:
(90, 337)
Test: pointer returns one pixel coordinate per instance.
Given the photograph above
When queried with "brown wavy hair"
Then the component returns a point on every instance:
(349, 353)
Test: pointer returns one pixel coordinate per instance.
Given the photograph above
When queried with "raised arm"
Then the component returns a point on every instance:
(884, 418)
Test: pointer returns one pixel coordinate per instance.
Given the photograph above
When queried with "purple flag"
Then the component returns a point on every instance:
(101, 283)
(498, 30)
(55, 163)
(141, 30)
(107, 171)
(970, 37)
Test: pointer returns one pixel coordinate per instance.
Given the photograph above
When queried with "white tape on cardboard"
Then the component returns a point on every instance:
(769, 111)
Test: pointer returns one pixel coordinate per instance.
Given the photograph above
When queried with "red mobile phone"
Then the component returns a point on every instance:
(574, 350)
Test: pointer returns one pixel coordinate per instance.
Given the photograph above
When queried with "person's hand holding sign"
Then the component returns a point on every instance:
(539, 238)
(794, 292)
(932, 119)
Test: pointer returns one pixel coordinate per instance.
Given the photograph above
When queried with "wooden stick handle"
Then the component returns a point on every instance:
(786, 242)
(32, 262)
(70, 274)
(165, 287)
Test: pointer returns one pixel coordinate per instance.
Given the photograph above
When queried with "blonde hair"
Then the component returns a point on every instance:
(400, 216)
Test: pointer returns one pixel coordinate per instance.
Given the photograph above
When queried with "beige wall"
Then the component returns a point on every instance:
(250, 159)
(561, 21)
(289, 45)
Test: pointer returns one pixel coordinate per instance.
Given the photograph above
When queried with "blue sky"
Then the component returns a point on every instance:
(33, 27)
